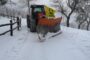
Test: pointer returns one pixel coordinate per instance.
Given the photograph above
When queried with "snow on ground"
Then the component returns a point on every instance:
(72, 44)
(4, 20)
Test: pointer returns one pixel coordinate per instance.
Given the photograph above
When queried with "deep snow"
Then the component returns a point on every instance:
(72, 44)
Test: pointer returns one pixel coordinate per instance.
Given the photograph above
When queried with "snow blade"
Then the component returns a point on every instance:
(55, 34)
(41, 38)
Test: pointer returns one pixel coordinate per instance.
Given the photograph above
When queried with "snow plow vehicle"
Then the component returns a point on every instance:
(43, 20)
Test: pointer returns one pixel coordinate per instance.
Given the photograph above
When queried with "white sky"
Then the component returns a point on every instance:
(46, 2)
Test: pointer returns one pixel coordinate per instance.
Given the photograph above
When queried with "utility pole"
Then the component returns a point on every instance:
(28, 6)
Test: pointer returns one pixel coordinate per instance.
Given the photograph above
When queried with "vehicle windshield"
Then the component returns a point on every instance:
(37, 10)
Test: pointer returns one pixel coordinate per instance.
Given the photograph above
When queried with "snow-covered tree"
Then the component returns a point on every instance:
(27, 3)
(83, 10)
(2, 2)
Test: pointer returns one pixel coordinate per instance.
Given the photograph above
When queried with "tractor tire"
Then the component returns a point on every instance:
(32, 28)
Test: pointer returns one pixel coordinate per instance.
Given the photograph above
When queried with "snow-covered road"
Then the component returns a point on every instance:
(72, 44)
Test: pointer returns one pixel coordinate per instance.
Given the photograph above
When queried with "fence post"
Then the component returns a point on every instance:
(17, 23)
(11, 28)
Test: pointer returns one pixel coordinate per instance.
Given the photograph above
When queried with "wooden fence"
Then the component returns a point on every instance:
(18, 23)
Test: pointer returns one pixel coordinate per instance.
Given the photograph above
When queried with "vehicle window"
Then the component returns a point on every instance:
(37, 10)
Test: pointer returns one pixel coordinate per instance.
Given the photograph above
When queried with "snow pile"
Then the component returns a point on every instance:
(72, 44)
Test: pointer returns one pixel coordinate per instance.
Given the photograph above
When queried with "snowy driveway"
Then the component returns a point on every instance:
(72, 44)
